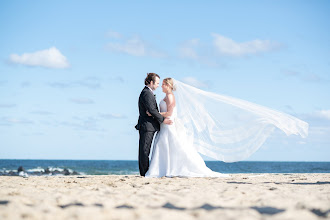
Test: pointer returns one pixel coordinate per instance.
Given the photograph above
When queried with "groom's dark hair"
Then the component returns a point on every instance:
(150, 77)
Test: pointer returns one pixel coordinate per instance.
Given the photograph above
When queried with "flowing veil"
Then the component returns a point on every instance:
(227, 128)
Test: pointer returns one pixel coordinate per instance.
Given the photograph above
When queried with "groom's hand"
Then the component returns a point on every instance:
(168, 121)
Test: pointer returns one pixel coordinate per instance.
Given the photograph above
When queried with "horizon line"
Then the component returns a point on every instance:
(204, 160)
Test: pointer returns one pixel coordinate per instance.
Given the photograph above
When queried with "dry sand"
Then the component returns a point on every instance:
(242, 196)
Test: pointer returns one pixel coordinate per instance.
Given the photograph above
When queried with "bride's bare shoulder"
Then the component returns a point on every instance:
(171, 98)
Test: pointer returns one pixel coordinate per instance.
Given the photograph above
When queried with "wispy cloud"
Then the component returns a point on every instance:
(90, 123)
(89, 82)
(49, 58)
(196, 83)
(189, 49)
(291, 73)
(82, 100)
(324, 114)
(114, 34)
(86, 123)
(117, 79)
(112, 116)
(305, 75)
(13, 120)
(7, 105)
(25, 84)
(229, 47)
(60, 84)
(212, 53)
(40, 112)
(319, 118)
(319, 135)
(134, 46)
(314, 78)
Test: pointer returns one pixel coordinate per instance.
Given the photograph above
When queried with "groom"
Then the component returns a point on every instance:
(148, 125)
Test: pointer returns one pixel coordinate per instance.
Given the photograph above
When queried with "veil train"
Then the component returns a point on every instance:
(227, 128)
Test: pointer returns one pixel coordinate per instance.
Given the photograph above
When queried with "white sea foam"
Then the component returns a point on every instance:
(7, 171)
(38, 169)
(52, 169)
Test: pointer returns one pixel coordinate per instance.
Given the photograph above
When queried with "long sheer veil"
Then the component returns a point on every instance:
(227, 128)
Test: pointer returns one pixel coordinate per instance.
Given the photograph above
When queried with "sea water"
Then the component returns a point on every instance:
(130, 167)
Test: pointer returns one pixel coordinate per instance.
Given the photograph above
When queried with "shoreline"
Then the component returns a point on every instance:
(44, 167)
(240, 196)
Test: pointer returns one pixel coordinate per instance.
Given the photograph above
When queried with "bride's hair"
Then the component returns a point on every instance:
(150, 77)
(170, 83)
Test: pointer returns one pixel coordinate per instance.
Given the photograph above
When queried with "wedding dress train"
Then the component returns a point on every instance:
(173, 154)
(217, 126)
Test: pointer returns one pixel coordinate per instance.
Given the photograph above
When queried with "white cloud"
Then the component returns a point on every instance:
(25, 84)
(291, 73)
(319, 135)
(325, 114)
(134, 46)
(314, 78)
(40, 112)
(86, 123)
(194, 82)
(49, 58)
(82, 101)
(189, 49)
(117, 79)
(319, 130)
(212, 53)
(112, 116)
(227, 46)
(7, 105)
(305, 75)
(13, 121)
(90, 82)
(114, 34)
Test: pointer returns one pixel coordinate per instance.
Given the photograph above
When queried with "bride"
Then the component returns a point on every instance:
(221, 127)
(171, 155)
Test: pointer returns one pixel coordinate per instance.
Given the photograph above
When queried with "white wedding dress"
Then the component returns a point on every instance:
(218, 126)
(173, 154)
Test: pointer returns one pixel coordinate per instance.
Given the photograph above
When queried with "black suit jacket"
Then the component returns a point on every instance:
(147, 102)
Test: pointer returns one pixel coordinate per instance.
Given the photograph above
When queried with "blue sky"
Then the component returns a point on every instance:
(71, 71)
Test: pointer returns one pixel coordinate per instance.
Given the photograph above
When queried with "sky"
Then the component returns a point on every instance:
(71, 71)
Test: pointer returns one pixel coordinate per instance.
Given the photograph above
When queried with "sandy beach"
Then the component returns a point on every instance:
(241, 196)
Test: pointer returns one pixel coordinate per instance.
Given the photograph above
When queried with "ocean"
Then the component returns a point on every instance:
(130, 167)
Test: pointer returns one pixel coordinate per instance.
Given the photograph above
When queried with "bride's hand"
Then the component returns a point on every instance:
(168, 121)
(148, 114)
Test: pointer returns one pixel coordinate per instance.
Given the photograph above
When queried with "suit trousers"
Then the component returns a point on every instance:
(145, 141)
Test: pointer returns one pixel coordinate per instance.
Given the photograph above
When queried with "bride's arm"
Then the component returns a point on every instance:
(170, 102)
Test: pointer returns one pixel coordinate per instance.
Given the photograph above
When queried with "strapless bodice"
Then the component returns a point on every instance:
(163, 108)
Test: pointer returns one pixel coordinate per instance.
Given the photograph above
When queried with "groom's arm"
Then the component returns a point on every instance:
(148, 101)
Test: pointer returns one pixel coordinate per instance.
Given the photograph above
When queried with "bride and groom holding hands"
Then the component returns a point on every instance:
(191, 121)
